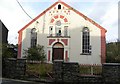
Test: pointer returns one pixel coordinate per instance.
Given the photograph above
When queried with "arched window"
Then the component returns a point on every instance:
(58, 28)
(50, 30)
(33, 37)
(86, 41)
(59, 6)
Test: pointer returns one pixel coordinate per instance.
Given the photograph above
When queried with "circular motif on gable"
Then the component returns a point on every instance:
(58, 23)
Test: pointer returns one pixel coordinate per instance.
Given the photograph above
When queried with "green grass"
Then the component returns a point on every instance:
(39, 70)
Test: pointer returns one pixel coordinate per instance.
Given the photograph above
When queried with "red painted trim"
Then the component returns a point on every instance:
(103, 47)
(52, 21)
(85, 17)
(61, 16)
(38, 16)
(58, 40)
(19, 44)
(65, 20)
(49, 55)
(65, 41)
(66, 55)
(56, 16)
(51, 41)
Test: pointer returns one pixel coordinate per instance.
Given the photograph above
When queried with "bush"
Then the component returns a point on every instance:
(35, 53)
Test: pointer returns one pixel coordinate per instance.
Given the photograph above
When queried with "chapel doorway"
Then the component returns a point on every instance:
(58, 51)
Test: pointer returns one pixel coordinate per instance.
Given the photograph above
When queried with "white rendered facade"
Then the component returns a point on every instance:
(60, 30)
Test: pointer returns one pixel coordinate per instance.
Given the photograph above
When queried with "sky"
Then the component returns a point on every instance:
(103, 12)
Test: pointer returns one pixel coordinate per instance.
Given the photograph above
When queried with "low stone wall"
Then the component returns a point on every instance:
(69, 72)
(91, 80)
(58, 70)
(65, 72)
(14, 68)
(111, 73)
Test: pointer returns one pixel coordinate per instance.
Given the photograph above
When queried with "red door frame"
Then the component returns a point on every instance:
(58, 52)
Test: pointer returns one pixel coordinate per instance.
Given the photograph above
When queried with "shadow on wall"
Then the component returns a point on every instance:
(26, 42)
(76, 36)
(97, 43)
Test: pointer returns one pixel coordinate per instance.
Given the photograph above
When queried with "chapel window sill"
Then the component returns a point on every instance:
(85, 54)
(58, 36)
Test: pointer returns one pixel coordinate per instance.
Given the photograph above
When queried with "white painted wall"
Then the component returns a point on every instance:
(76, 23)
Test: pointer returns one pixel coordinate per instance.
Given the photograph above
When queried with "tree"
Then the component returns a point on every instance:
(9, 51)
(113, 52)
(35, 53)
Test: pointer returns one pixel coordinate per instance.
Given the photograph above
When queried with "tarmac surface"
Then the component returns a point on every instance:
(14, 81)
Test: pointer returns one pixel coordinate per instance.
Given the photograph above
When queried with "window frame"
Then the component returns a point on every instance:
(59, 6)
(86, 47)
(65, 30)
(33, 37)
(50, 30)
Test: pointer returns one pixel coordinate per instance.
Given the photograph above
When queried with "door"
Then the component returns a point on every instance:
(58, 52)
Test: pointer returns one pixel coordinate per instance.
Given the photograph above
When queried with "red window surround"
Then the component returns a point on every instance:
(66, 55)
(51, 41)
(65, 41)
(49, 55)
(52, 21)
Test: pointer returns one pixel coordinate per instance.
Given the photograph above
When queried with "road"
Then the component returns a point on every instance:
(12, 81)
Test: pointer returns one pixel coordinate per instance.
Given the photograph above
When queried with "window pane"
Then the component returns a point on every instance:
(59, 6)
(66, 31)
(85, 40)
(50, 30)
(33, 37)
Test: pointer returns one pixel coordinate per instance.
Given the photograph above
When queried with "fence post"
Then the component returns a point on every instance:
(57, 70)
(91, 70)
(21, 67)
(71, 72)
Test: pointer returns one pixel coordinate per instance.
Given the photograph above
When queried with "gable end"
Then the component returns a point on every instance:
(79, 13)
